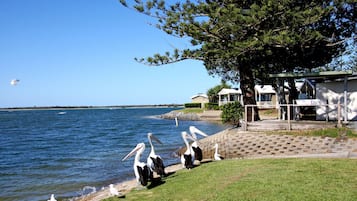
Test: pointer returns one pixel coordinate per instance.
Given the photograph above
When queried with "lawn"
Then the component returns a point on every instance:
(259, 179)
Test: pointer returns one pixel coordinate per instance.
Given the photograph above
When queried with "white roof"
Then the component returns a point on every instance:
(229, 91)
(265, 89)
(199, 95)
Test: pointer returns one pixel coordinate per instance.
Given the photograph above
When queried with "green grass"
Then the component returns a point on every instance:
(327, 132)
(190, 110)
(260, 179)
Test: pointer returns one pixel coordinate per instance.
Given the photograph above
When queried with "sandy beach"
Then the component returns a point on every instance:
(123, 187)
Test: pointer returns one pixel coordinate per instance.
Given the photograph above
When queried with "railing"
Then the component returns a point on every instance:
(288, 110)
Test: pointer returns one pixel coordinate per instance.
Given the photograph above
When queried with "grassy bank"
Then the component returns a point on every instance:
(261, 179)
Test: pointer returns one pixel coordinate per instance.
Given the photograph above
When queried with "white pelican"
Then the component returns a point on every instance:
(154, 162)
(113, 191)
(188, 157)
(140, 168)
(217, 156)
(52, 198)
(195, 147)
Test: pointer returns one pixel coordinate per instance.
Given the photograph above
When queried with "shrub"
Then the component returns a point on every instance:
(232, 113)
(211, 106)
(192, 105)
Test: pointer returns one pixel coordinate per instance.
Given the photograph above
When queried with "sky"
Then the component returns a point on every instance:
(81, 53)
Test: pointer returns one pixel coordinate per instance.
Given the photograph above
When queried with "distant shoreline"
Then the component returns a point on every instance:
(91, 107)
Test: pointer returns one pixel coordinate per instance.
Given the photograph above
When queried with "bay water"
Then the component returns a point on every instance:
(74, 152)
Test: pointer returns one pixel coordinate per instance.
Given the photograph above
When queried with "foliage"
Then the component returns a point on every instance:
(192, 105)
(244, 41)
(232, 113)
(260, 179)
(211, 106)
(212, 93)
(253, 38)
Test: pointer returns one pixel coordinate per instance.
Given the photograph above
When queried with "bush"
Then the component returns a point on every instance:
(232, 113)
(192, 105)
(211, 106)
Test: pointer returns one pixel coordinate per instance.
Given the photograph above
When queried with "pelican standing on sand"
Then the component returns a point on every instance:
(217, 156)
(140, 168)
(188, 157)
(195, 147)
(154, 162)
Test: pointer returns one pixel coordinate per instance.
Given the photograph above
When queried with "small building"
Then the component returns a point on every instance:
(200, 98)
(229, 95)
(265, 96)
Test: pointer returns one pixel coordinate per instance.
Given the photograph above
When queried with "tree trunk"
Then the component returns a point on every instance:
(293, 95)
(247, 86)
(282, 99)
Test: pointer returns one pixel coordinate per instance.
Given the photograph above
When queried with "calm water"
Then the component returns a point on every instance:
(68, 152)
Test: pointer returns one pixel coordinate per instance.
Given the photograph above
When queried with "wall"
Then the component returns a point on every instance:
(332, 92)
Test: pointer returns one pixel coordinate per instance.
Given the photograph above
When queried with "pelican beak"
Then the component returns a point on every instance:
(188, 136)
(132, 152)
(193, 130)
(155, 138)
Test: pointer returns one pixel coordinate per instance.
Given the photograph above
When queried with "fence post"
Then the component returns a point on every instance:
(289, 122)
(245, 118)
(253, 114)
(339, 125)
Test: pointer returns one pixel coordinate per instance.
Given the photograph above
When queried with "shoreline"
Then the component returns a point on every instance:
(122, 187)
(90, 107)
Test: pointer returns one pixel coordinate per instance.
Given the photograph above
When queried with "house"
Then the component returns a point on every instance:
(229, 95)
(200, 98)
(322, 91)
(265, 96)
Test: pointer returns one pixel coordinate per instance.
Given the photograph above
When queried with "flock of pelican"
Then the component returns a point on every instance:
(154, 166)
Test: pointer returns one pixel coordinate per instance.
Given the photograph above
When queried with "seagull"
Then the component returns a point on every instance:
(154, 162)
(52, 198)
(140, 168)
(217, 156)
(113, 191)
(195, 147)
(188, 157)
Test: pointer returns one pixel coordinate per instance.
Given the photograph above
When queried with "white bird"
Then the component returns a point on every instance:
(14, 82)
(113, 191)
(195, 147)
(52, 198)
(217, 156)
(140, 168)
(154, 161)
(188, 157)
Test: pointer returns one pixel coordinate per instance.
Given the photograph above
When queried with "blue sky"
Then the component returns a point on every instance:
(80, 52)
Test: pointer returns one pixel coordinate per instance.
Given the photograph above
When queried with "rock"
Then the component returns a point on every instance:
(180, 116)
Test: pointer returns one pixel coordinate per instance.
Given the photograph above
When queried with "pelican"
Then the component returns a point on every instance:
(113, 191)
(217, 156)
(52, 198)
(140, 168)
(195, 147)
(154, 162)
(188, 157)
